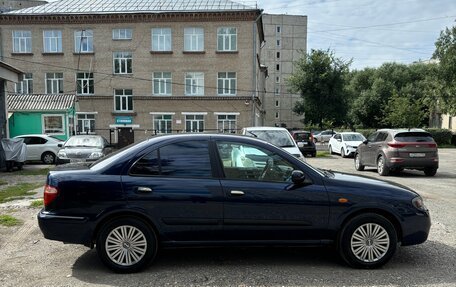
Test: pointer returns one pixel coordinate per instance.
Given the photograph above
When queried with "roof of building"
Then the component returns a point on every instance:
(134, 6)
(40, 102)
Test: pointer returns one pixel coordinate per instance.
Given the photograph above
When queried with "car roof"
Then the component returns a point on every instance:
(295, 132)
(265, 129)
(396, 131)
(349, 133)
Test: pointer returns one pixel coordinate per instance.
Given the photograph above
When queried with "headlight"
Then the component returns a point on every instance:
(418, 203)
(95, 155)
(62, 154)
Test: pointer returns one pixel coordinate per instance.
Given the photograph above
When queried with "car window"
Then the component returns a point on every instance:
(337, 137)
(372, 137)
(246, 162)
(184, 159)
(381, 137)
(302, 136)
(353, 137)
(413, 137)
(85, 141)
(279, 138)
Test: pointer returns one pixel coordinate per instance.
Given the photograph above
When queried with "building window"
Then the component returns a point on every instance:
(53, 124)
(277, 115)
(277, 79)
(161, 83)
(25, 86)
(194, 84)
(22, 41)
(86, 123)
(122, 34)
(277, 103)
(83, 41)
(85, 85)
(122, 62)
(278, 67)
(123, 100)
(193, 39)
(278, 29)
(54, 83)
(278, 42)
(226, 84)
(278, 55)
(226, 123)
(277, 90)
(226, 39)
(194, 123)
(161, 39)
(52, 41)
(163, 124)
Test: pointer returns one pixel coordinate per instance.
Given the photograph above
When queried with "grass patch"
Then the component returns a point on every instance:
(3, 182)
(18, 191)
(8, 220)
(34, 171)
(323, 154)
(446, 146)
(37, 203)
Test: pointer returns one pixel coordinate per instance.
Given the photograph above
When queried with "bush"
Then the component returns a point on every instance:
(366, 132)
(441, 136)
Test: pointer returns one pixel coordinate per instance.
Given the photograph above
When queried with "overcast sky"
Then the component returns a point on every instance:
(371, 31)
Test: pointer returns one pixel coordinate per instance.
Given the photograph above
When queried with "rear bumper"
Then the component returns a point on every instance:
(397, 162)
(67, 229)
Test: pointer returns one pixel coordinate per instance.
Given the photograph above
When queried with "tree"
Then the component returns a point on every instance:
(320, 79)
(405, 111)
(445, 53)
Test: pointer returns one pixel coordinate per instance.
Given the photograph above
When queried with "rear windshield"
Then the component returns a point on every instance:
(301, 136)
(413, 137)
(353, 137)
(280, 138)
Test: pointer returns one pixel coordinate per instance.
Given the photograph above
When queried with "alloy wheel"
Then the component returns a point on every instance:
(126, 245)
(370, 242)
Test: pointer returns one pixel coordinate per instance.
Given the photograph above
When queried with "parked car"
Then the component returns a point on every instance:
(41, 147)
(185, 190)
(280, 137)
(394, 150)
(83, 148)
(305, 142)
(324, 136)
(345, 143)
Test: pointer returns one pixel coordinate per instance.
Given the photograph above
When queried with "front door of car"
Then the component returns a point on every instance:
(261, 202)
(174, 185)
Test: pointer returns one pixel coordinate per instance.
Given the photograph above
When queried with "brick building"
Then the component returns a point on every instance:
(142, 67)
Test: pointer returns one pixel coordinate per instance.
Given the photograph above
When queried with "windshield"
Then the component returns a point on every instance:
(353, 137)
(275, 137)
(86, 141)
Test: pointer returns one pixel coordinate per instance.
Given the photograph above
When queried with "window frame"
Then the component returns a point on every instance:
(55, 82)
(43, 124)
(22, 44)
(198, 119)
(25, 86)
(86, 83)
(52, 43)
(122, 63)
(193, 39)
(162, 39)
(163, 83)
(79, 46)
(225, 40)
(121, 34)
(224, 80)
(227, 119)
(194, 84)
(162, 125)
(81, 123)
(124, 100)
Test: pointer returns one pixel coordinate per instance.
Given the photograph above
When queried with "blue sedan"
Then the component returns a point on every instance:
(206, 190)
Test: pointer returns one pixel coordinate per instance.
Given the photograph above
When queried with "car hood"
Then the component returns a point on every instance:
(367, 185)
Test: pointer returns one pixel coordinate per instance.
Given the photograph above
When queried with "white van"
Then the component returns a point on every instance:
(276, 136)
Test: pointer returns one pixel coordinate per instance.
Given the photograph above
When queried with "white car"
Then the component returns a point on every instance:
(277, 136)
(41, 147)
(345, 143)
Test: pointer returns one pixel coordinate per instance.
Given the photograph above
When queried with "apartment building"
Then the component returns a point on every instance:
(285, 36)
(142, 67)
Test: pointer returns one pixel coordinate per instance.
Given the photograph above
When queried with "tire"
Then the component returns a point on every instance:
(126, 245)
(342, 153)
(330, 150)
(430, 171)
(314, 154)
(367, 241)
(48, 158)
(382, 169)
(358, 165)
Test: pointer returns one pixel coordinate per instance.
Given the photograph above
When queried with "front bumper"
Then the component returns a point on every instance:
(415, 228)
(67, 229)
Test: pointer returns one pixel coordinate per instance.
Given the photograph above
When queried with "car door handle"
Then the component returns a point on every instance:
(143, 189)
(237, 192)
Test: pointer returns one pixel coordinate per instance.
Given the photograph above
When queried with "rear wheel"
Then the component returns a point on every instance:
(382, 169)
(367, 241)
(48, 158)
(358, 165)
(126, 245)
(430, 171)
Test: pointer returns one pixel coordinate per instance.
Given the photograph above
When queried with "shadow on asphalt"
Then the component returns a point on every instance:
(429, 263)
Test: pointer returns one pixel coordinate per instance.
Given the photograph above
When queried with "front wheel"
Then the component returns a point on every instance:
(330, 149)
(342, 152)
(126, 245)
(367, 241)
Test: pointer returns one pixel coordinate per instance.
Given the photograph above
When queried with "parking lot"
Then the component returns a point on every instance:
(27, 259)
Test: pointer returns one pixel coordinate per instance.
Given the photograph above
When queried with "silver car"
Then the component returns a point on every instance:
(41, 147)
(83, 148)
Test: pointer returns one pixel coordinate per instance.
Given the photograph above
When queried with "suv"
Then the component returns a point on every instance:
(395, 150)
(305, 142)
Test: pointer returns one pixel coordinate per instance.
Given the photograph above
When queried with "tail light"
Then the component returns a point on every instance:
(432, 145)
(50, 194)
(396, 145)
(311, 137)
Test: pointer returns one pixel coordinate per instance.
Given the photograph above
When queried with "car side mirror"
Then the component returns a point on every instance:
(60, 145)
(297, 177)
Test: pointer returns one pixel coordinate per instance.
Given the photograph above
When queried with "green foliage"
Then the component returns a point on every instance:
(320, 78)
(18, 191)
(404, 111)
(441, 136)
(37, 203)
(42, 171)
(8, 220)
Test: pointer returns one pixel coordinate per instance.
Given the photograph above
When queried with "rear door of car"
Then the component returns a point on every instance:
(415, 145)
(174, 185)
(35, 147)
(261, 202)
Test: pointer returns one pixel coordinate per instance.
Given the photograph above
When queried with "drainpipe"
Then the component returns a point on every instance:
(254, 82)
